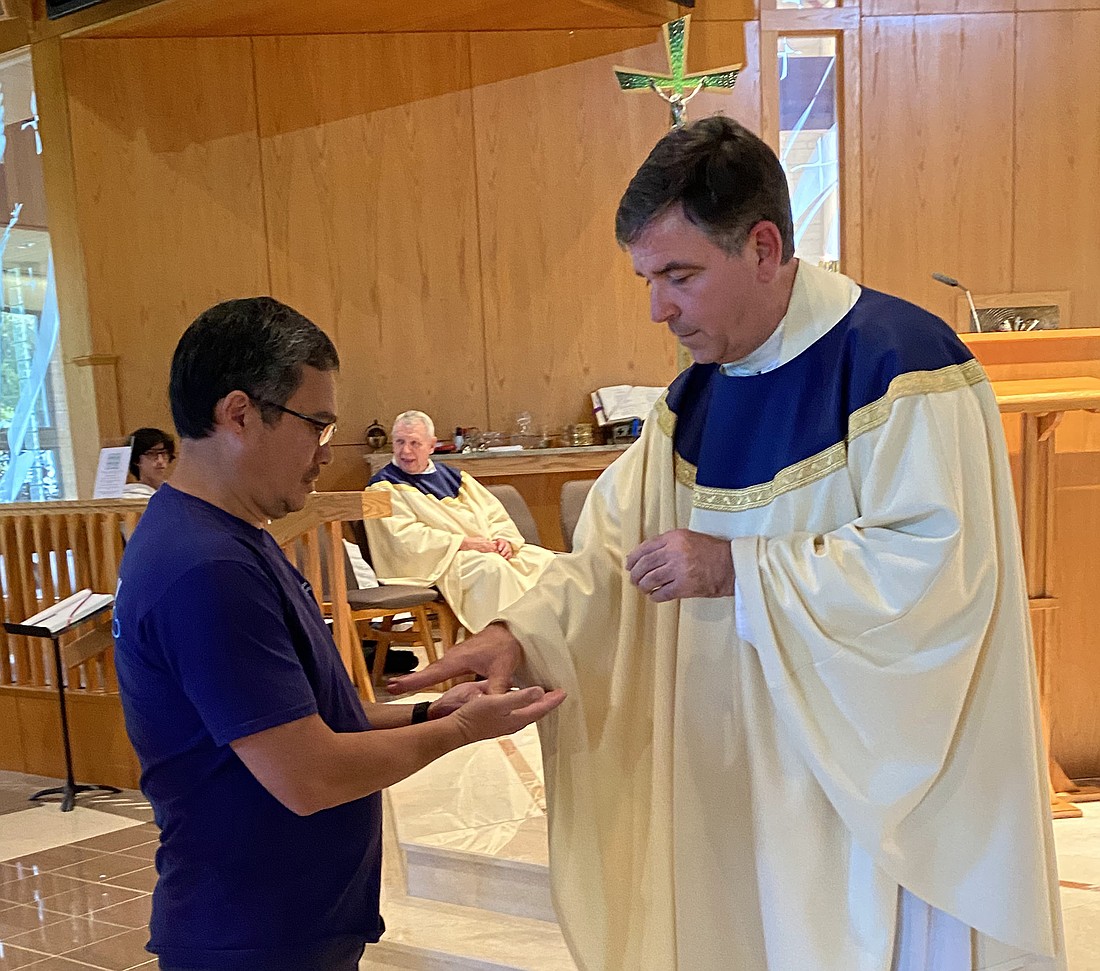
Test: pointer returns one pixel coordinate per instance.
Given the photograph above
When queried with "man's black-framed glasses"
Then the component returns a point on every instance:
(325, 429)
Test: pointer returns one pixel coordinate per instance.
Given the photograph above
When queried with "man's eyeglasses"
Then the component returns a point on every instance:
(326, 429)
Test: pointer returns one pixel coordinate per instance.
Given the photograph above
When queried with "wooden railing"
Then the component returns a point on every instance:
(48, 551)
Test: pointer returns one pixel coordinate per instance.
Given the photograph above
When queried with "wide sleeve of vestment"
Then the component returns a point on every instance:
(499, 524)
(416, 542)
(607, 752)
(896, 649)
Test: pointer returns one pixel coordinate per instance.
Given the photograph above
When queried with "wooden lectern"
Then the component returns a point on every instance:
(1042, 404)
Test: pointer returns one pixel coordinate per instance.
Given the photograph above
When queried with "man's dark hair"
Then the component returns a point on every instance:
(726, 179)
(146, 439)
(256, 345)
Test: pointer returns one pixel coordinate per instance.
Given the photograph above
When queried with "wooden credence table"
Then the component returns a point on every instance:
(1041, 404)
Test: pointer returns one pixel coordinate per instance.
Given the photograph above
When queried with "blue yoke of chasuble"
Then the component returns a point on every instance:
(742, 431)
(443, 483)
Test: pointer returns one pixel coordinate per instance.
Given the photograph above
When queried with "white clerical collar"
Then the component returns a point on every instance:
(765, 358)
(819, 299)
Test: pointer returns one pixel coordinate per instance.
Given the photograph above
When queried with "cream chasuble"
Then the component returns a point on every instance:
(419, 543)
(761, 802)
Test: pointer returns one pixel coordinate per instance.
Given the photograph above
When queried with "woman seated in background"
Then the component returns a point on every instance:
(152, 453)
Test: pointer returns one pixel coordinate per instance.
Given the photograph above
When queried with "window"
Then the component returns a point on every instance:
(809, 142)
(35, 449)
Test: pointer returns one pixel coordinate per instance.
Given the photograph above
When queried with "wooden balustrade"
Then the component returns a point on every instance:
(48, 551)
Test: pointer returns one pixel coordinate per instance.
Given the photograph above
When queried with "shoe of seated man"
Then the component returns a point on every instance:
(397, 661)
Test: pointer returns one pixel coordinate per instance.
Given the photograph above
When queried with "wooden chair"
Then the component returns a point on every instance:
(312, 537)
(425, 605)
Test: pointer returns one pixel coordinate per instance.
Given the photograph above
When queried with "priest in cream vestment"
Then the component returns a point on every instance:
(801, 730)
(448, 531)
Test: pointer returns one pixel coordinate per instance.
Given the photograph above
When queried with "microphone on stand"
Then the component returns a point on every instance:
(952, 282)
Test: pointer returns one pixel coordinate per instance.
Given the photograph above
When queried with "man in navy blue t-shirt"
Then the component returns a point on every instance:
(262, 765)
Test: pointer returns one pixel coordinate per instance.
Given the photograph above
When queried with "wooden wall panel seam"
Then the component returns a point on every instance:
(260, 162)
(477, 229)
(1012, 214)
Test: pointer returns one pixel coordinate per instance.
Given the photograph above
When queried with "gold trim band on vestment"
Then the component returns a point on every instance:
(666, 420)
(684, 471)
(801, 473)
(951, 378)
(411, 488)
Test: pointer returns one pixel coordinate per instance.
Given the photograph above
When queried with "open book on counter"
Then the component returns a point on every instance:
(71, 610)
(621, 402)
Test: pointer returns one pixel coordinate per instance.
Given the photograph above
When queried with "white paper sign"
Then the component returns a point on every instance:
(110, 476)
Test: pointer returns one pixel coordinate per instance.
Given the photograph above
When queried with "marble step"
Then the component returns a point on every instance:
(426, 935)
(423, 934)
(505, 886)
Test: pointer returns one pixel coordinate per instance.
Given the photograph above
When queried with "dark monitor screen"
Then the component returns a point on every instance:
(58, 8)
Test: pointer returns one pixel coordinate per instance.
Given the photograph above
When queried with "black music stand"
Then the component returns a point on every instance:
(70, 789)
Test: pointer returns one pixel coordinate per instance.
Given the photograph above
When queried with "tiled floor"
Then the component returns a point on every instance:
(75, 887)
(75, 884)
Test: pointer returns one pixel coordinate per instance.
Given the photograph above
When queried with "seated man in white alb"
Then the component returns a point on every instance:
(448, 531)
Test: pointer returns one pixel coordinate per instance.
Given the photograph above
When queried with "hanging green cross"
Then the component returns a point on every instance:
(672, 86)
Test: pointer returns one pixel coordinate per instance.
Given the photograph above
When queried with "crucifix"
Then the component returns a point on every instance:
(672, 86)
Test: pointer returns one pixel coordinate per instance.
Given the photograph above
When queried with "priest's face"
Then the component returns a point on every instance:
(412, 447)
(714, 303)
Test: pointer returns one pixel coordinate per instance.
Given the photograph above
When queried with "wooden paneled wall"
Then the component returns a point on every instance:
(169, 198)
(442, 204)
(981, 149)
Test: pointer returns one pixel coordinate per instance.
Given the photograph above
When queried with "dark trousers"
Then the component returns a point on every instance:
(343, 958)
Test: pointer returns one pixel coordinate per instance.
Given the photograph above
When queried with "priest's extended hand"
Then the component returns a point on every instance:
(681, 564)
(494, 654)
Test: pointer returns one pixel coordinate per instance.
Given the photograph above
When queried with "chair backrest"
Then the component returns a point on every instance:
(359, 537)
(313, 537)
(313, 558)
(517, 508)
(573, 496)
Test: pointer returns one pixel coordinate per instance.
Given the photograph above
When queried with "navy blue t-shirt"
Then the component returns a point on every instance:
(217, 637)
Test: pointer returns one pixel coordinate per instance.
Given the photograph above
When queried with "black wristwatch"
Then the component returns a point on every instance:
(420, 712)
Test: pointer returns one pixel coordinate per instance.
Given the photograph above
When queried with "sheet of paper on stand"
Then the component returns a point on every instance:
(110, 476)
(621, 402)
(69, 611)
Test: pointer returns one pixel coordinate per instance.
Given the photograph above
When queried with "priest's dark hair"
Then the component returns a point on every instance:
(726, 179)
(256, 345)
